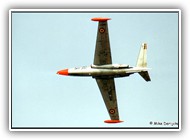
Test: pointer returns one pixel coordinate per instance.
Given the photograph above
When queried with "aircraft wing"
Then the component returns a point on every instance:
(107, 89)
(102, 54)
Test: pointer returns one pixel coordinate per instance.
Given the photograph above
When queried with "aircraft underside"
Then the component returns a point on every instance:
(104, 71)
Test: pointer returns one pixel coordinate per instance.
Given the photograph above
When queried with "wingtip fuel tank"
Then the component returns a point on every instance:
(101, 19)
(113, 121)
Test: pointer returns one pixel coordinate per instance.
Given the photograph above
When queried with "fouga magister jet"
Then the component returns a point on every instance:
(104, 72)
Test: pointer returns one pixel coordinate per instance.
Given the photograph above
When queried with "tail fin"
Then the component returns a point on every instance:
(142, 62)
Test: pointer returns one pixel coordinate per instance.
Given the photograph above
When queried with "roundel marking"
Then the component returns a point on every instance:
(101, 30)
(112, 111)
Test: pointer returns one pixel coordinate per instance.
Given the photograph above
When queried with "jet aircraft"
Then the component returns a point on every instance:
(104, 72)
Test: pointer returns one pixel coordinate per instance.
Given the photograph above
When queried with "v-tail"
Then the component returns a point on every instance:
(142, 62)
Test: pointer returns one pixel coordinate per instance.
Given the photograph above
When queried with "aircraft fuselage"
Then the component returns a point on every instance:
(102, 71)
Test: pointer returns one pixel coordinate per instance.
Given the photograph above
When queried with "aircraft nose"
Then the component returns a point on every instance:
(63, 72)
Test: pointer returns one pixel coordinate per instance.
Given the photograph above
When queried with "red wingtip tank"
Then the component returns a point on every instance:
(100, 19)
(113, 121)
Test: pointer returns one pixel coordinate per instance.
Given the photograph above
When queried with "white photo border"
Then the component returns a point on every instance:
(11, 128)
